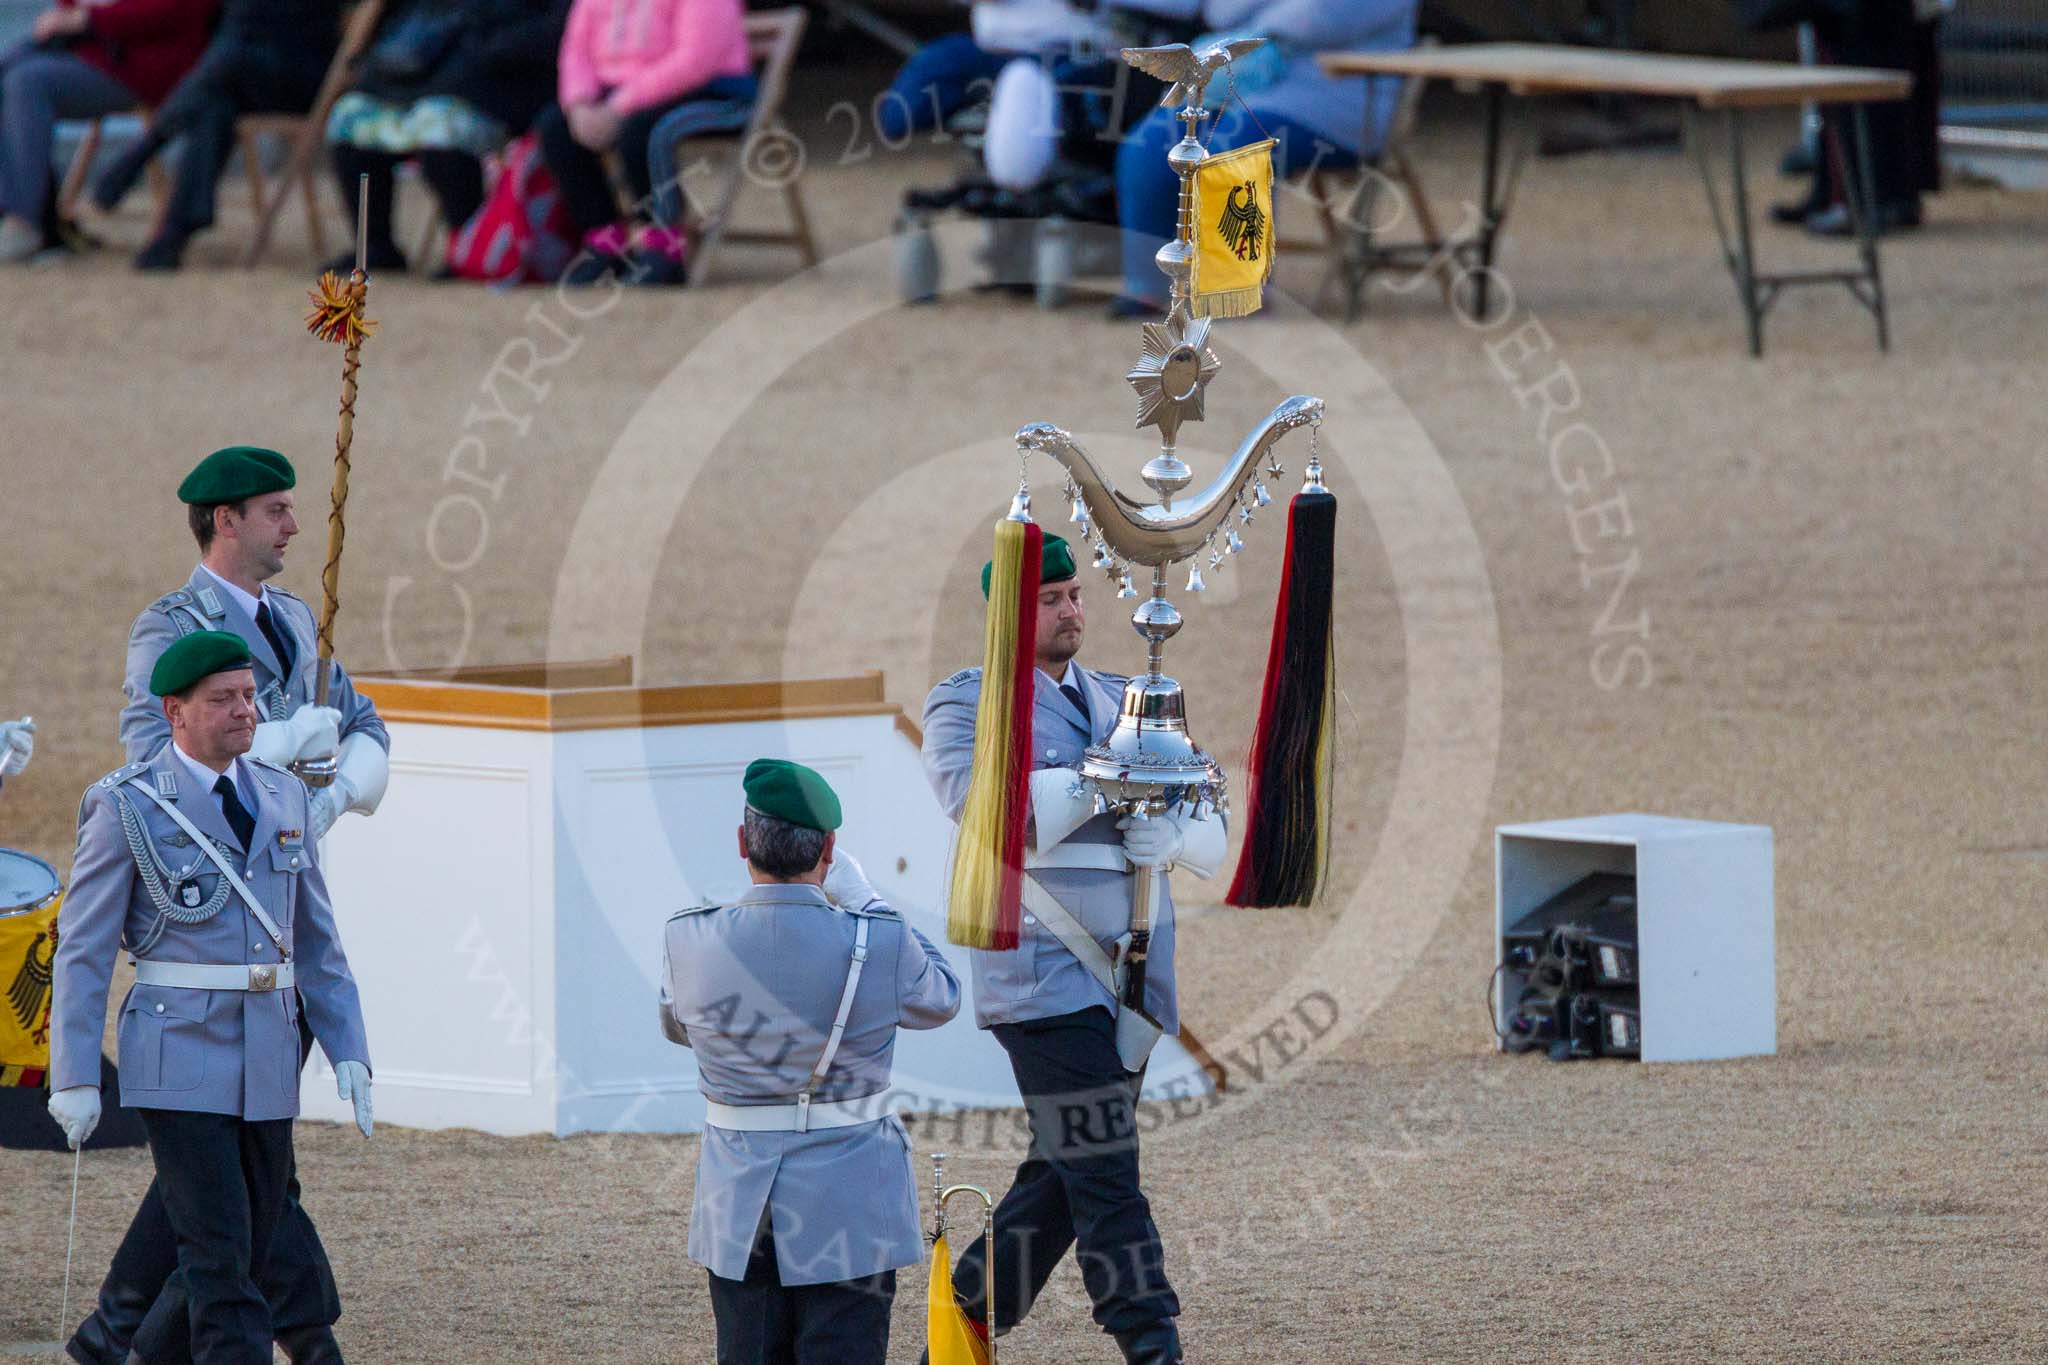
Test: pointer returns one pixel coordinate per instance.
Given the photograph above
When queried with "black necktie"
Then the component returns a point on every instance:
(1073, 694)
(239, 819)
(268, 625)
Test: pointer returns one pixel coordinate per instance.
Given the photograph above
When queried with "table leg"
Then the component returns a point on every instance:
(1862, 199)
(1745, 251)
(1489, 190)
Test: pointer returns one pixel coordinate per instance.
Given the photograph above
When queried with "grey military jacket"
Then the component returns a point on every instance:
(1040, 978)
(215, 1052)
(202, 605)
(754, 987)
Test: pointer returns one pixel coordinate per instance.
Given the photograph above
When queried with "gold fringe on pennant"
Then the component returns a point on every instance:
(983, 909)
(337, 311)
(1234, 303)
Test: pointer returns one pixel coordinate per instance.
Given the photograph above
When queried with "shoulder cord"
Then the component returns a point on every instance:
(152, 871)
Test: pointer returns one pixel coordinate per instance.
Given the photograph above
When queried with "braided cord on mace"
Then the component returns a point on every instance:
(337, 316)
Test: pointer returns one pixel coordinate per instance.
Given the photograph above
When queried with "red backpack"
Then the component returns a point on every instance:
(523, 233)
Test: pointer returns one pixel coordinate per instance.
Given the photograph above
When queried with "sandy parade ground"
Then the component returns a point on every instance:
(1809, 593)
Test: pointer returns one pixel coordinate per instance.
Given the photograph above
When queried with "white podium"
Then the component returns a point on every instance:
(1705, 921)
(503, 910)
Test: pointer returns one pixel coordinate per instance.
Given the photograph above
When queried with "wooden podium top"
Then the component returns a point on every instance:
(598, 694)
(1711, 82)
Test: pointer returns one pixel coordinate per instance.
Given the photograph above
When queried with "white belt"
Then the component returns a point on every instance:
(1094, 857)
(789, 1118)
(200, 976)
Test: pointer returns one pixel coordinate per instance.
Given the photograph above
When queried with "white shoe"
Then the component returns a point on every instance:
(18, 241)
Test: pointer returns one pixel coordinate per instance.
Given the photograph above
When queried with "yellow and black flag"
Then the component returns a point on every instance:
(1233, 224)
(28, 950)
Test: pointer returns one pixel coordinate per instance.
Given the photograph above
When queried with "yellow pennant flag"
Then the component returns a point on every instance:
(1233, 232)
(948, 1338)
(28, 948)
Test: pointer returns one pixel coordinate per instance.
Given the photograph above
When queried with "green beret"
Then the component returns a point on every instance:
(1056, 565)
(792, 792)
(201, 654)
(235, 473)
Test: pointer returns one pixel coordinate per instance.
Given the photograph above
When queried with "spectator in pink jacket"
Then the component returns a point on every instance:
(625, 63)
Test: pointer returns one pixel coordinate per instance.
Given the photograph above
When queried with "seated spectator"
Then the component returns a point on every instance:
(267, 56)
(624, 64)
(81, 62)
(1311, 115)
(445, 83)
(950, 73)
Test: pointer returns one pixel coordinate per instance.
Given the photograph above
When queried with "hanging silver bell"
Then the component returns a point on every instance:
(1195, 579)
(1231, 544)
(1260, 497)
(1103, 558)
(1123, 587)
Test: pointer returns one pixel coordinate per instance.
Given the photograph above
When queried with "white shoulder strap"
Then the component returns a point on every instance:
(832, 1040)
(1072, 933)
(226, 870)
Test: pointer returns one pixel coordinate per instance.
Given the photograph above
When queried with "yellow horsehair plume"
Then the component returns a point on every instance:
(984, 905)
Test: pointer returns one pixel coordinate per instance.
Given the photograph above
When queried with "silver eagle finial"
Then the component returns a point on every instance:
(1188, 70)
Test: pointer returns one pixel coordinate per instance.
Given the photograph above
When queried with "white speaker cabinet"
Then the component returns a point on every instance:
(1705, 921)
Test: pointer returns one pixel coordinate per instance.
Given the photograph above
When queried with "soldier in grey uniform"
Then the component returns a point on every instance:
(806, 1204)
(1054, 1017)
(198, 862)
(240, 507)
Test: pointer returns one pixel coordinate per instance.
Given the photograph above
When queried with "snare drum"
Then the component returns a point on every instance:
(27, 884)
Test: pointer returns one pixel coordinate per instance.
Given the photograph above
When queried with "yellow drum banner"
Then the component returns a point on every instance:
(28, 949)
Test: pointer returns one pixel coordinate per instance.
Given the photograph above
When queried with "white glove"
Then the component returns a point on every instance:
(77, 1111)
(311, 732)
(846, 883)
(1151, 841)
(359, 782)
(17, 745)
(352, 1083)
(1197, 845)
(1060, 804)
(324, 805)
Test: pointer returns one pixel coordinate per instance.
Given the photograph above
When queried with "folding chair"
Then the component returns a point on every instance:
(773, 37)
(1349, 243)
(73, 185)
(306, 134)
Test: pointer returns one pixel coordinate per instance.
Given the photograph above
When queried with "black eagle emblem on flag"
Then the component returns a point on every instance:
(31, 986)
(1244, 222)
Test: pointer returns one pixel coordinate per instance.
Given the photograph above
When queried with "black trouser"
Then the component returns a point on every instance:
(579, 172)
(134, 1312)
(456, 178)
(222, 1179)
(1078, 1185)
(232, 78)
(760, 1322)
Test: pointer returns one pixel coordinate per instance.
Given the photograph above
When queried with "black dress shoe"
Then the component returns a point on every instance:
(310, 1346)
(1795, 213)
(1124, 307)
(590, 267)
(1893, 215)
(165, 253)
(1158, 1344)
